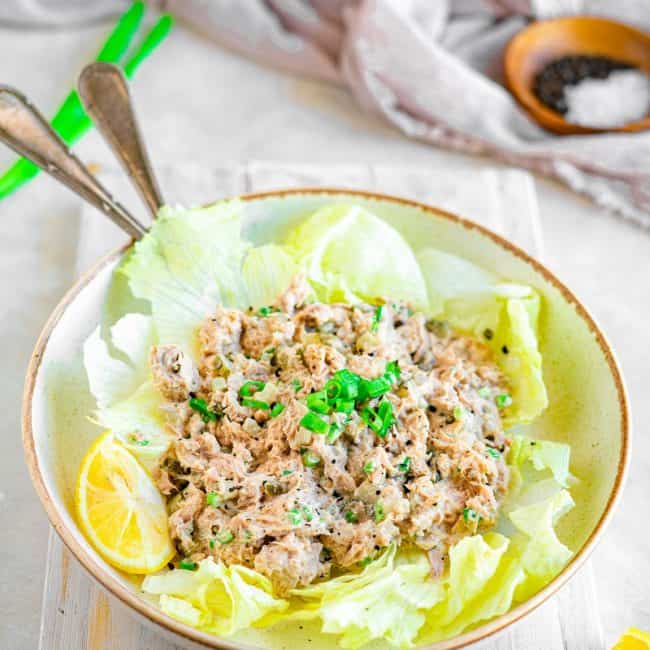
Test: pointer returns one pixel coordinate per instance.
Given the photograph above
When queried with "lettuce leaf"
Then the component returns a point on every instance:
(119, 379)
(542, 455)
(474, 301)
(186, 265)
(350, 254)
(215, 598)
(267, 272)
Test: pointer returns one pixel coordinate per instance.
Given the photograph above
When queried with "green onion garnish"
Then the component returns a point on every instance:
(459, 413)
(256, 404)
(213, 499)
(142, 442)
(380, 515)
(332, 389)
(297, 385)
(267, 311)
(351, 518)
(314, 422)
(484, 391)
(310, 459)
(294, 516)
(188, 565)
(317, 402)
(376, 318)
(251, 387)
(225, 537)
(493, 452)
(369, 467)
(348, 384)
(344, 405)
(392, 372)
(502, 400)
(405, 465)
(211, 543)
(375, 387)
(365, 562)
(277, 409)
(286, 472)
(470, 515)
(201, 407)
(306, 513)
(334, 432)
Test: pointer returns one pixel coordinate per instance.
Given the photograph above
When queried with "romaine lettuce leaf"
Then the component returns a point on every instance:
(349, 254)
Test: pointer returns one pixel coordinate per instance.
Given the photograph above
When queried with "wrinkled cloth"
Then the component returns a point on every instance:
(432, 68)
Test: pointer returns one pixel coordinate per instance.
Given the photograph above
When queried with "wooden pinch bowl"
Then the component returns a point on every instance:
(545, 41)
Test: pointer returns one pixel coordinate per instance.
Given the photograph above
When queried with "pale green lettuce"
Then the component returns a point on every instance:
(473, 301)
(215, 598)
(349, 254)
(267, 272)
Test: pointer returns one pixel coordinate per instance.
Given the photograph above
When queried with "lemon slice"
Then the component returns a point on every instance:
(633, 639)
(120, 510)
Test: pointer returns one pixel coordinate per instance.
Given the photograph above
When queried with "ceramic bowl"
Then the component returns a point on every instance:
(588, 404)
(545, 41)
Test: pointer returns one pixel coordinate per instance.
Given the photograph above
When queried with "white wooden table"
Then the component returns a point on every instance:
(77, 615)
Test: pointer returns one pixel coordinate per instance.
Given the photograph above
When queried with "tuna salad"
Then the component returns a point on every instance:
(309, 437)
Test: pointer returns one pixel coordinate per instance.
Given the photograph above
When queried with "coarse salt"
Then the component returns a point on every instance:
(621, 98)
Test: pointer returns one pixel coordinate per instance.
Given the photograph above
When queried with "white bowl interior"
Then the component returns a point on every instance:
(585, 401)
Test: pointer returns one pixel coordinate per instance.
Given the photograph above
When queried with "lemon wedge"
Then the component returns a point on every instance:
(633, 639)
(120, 509)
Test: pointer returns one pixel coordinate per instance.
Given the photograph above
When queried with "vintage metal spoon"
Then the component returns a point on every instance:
(27, 132)
(104, 92)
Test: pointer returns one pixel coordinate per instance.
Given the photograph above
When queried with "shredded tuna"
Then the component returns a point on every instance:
(250, 485)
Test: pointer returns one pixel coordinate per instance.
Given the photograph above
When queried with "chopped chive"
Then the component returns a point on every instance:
(296, 384)
(317, 402)
(375, 387)
(379, 515)
(369, 467)
(306, 513)
(392, 372)
(314, 422)
(201, 407)
(256, 404)
(493, 452)
(405, 465)
(502, 400)
(267, 311)
(376, 318)
(225, 537)
(484, 391)
(365, 562)
(310, 459)
(188, 565)
(277, 409)
(211, 543)
(213, 499)
(470, 515)
(294, 516)
(344, 405)
(286, 472)
(351, 517)
(332, 389)
(459, 413)
(141, 442)
(334, 432)
(251, 387)
(348, 383)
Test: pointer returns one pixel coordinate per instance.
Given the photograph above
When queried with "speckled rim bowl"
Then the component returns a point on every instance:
(588, 402)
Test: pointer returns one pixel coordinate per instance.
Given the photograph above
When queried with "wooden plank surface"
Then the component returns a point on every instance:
(78, 615)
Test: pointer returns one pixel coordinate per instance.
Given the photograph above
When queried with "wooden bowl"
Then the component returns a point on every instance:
(588, 404)
(545, 41)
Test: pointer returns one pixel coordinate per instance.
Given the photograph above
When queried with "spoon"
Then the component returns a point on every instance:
(104, 92)
(27, 132)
